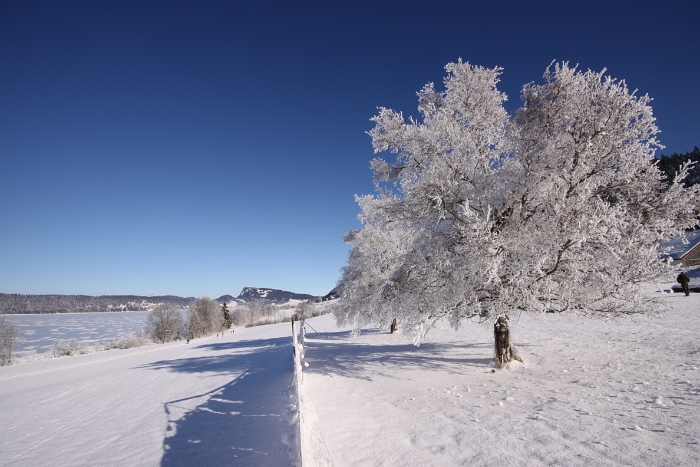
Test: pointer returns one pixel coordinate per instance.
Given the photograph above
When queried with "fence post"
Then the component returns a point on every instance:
(294, 334)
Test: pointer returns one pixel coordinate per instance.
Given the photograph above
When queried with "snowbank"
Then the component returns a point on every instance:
(313, 449)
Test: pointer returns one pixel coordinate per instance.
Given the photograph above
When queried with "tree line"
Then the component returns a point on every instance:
(671, 165)
(38, 304)
(205, 317)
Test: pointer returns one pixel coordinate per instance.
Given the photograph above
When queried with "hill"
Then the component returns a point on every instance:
(271, 296)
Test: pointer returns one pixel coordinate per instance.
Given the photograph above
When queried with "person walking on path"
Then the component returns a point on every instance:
(683, 279)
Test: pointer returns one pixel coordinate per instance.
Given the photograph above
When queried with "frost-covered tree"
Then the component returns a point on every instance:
(303, 309)
(559, 208)
(164, 322)
(8, 341)
(204, 318)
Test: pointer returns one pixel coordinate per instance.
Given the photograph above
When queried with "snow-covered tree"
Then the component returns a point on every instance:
(8, 341)
(560, 208)
(204, 318)
(164, 322)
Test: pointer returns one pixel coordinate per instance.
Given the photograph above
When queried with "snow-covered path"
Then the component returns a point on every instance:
(215, 401)
(590, 393)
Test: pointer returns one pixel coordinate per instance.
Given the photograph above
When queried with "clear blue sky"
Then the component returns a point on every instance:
(194, 147)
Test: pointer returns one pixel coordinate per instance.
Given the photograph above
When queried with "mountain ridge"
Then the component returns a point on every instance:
(272, 296)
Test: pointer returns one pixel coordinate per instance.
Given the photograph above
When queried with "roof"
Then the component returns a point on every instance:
(678, 248)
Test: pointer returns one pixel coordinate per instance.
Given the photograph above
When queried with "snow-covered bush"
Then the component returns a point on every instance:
(257, 314)
(204, 318)
(164, 323)
(8, 341)
(138, 338)
(560, 208)
(71, 347)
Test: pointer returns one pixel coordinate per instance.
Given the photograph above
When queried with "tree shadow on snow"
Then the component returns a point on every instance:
(330, 354)
(242, 422)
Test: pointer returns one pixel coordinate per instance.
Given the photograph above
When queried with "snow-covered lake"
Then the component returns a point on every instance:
(39, 333)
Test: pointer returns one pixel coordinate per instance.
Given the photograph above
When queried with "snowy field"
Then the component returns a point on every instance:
(589, 393)
(214, 402)
(39, 333)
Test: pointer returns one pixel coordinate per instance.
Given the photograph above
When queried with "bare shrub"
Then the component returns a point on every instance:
(262, 321)
(269, 311)
(240, 317)
(134, 339)
(259, 314)
(8, 341)
(71, 347)
(303, 309)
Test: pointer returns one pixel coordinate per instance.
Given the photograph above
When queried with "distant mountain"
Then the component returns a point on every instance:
(272, 296)
(229, 300)
(226, 298)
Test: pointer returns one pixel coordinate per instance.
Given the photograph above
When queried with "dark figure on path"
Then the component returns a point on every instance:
(683, 279)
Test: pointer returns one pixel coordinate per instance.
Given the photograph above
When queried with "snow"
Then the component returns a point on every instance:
(678, 247)
(39, 333)
(590, 392)
(215, 401)
(694, 276)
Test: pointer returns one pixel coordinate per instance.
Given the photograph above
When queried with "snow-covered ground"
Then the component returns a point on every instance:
(215, 401)
(590, 393)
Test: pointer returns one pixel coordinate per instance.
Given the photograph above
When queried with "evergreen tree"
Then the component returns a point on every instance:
(671, 165)
(227, 316)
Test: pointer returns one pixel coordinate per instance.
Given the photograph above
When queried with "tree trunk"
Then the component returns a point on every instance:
(504, 352)
(393, 326)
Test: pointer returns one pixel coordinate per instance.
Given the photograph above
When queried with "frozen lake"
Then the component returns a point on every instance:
(39, 333)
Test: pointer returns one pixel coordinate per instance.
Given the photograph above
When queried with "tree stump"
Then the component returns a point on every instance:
(393, 326)
(504, 352)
